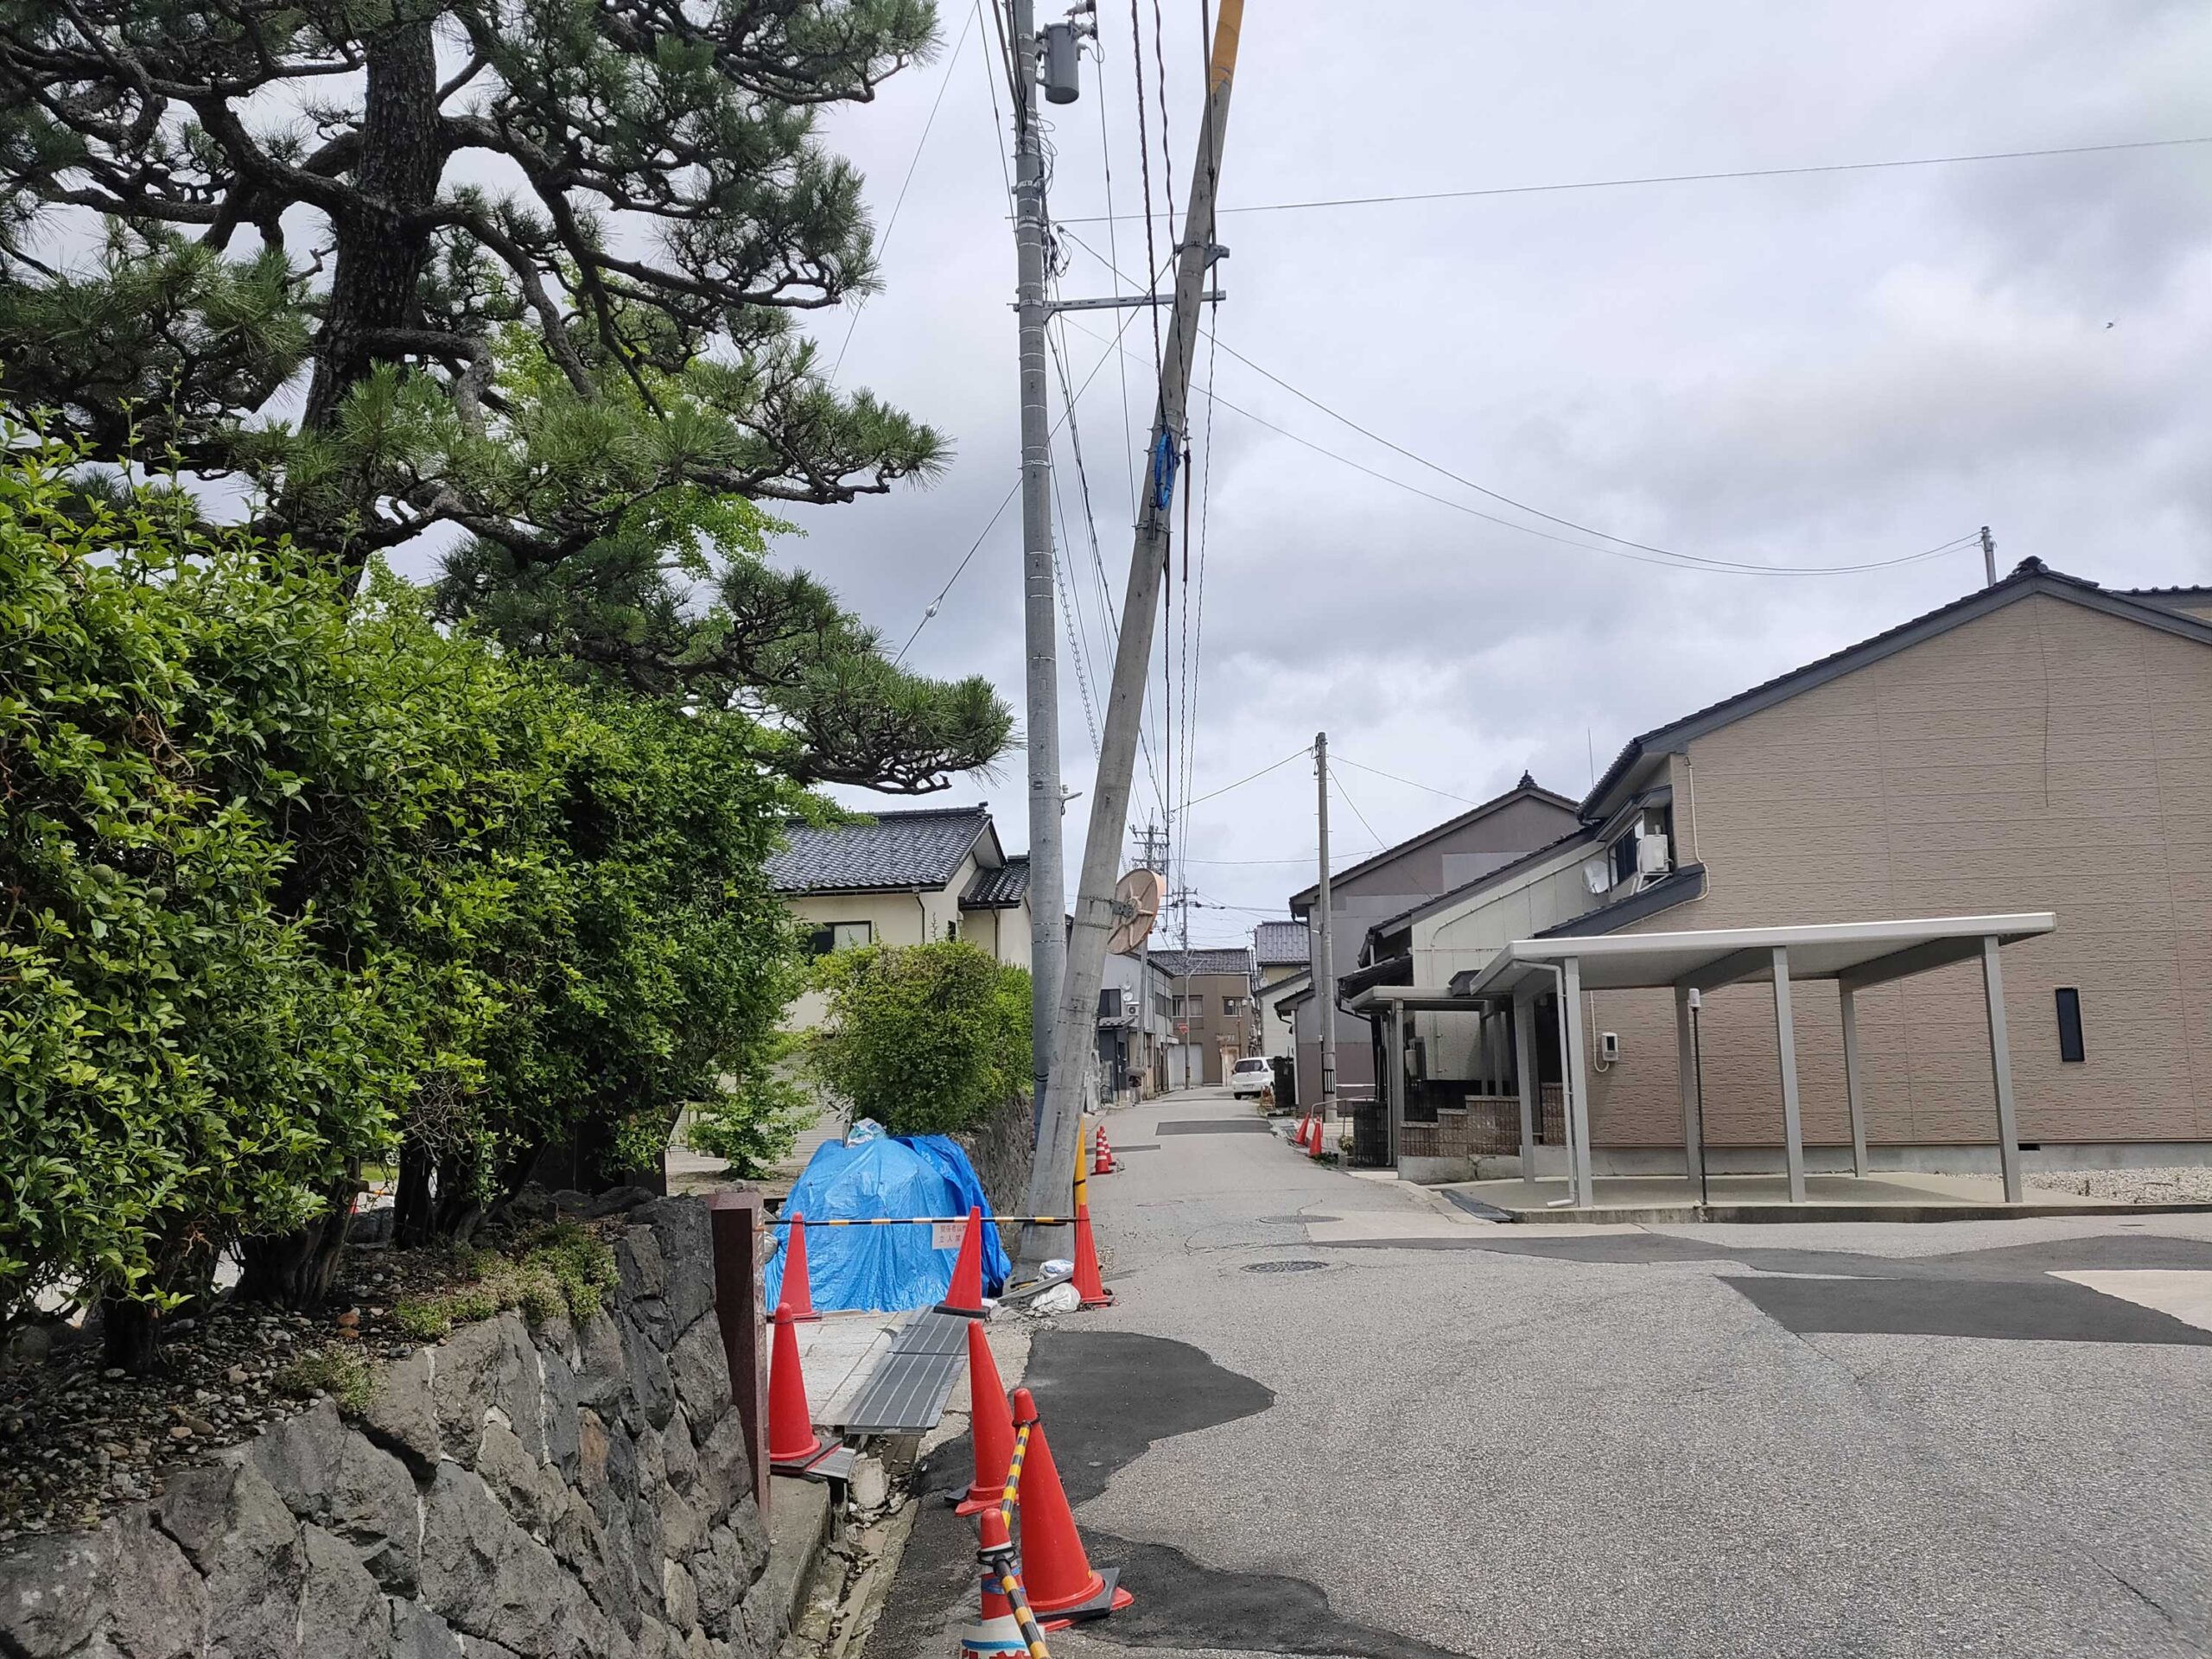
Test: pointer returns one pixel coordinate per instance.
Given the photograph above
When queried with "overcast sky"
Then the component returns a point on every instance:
(1823, 370)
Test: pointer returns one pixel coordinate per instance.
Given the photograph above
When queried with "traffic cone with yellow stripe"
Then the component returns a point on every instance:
(1056, 1576)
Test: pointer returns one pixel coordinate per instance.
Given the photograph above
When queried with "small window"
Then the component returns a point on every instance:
(1231, 1004)
(1625, 859)
(2069, 1024)
(1109, 1002)
(952, 929)
(839, 936)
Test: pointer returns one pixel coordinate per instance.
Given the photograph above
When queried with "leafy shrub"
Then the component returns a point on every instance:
(925, 1039)
(753, 1123)
(291, 882)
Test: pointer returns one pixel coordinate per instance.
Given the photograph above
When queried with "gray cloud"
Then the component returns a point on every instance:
(1815, 370)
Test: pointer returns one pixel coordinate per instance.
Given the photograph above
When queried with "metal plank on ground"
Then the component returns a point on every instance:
(907, 1392)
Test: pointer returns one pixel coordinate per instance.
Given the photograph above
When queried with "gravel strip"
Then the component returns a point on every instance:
(2177, 1184)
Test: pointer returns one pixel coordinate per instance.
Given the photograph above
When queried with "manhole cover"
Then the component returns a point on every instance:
(1292, 1221)
(1285, 1267)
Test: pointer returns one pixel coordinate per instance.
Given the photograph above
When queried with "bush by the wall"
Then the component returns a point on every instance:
(925, 1039)
(289, 881)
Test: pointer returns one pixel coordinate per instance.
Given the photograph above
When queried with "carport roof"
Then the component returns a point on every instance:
(1857, 953)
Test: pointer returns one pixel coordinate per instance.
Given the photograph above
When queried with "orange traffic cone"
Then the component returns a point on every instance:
(1314, 1151)
(966, 1294)
(1055, 1573)
(990, 1426)
(1087, 1284)
(791, 1439)
(797, 1290)
(1305, 1129)
(1101, 1161)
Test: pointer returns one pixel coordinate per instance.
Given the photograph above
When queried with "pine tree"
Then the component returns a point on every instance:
(518, 273)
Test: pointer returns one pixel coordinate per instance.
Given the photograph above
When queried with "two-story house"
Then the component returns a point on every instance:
(901, 878)
(2041, 748)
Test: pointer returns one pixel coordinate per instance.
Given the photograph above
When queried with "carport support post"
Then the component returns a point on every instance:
(1524, 1066)
(1785, 1038)
(2001, 1065)
(1393, 1100)
(1852, 1084)
(1577, 1073)
(1686, 1070)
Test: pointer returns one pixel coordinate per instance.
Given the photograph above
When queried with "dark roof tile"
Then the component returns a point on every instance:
(1282, 944)
(890, 850)
(1003, 888)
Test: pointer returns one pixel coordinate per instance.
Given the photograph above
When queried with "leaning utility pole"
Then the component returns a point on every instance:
(1324, 968)
(1989, 555)
(1061, 1124)
(1047, 885)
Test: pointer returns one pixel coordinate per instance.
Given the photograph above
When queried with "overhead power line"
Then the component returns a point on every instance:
(1623, 548)
(1295, 754)
(1345, 760)
(1688, 178)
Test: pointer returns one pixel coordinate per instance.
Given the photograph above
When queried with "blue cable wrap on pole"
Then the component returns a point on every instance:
(1163, 472)
(885, 1269)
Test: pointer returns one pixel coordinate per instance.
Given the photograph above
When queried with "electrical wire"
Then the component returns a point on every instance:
(1624, 549)
(1343, 760)
(1297, 753)
(1694, 178)
(1338, 784)
(951, 62)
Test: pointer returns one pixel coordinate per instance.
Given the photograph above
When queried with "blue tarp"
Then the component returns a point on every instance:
(885, 1269)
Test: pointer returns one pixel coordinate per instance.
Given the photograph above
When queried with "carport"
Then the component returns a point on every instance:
(1856, 955)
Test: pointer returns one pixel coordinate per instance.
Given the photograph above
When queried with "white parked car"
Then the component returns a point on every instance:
(1252, 1076)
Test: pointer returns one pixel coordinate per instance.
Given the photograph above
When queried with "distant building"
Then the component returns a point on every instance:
(1282, 966)
(1211, 1002)
(902, 878)
(1135, 1027)
(1383, 884)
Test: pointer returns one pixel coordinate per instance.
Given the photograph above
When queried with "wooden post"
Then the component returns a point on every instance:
(740, 1253)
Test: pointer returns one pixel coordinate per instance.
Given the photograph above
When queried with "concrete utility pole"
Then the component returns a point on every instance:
(1989, 555)
(1061, 1124)
(1047, 882)
(1324, 968)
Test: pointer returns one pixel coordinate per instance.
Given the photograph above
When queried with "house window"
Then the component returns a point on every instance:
(1159, 1006)
(952, 929)
(1109, 1002)
(2069, 1024)
(1625, 859)
(839, 936)
(1230, 1004)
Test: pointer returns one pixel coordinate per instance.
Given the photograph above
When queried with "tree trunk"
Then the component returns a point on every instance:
(130, 1333)
(296, 1270)
(413, 1223)
(381, 244)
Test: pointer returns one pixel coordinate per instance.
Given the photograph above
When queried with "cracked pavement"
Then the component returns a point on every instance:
(1849, 1438)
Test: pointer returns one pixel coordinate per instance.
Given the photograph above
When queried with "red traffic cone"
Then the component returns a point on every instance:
(798, 1289)
(1304, 1128)
(1314, 1150)
(1087, 1284)
(1101, 1161)
(791, 1439)
(990, 1426)
(966, 1294)
(1055, 1573)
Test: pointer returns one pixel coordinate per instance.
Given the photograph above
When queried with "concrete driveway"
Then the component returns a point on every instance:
(1332, 1416)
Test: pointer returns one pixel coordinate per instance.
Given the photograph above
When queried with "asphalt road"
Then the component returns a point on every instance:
(1447, 1437)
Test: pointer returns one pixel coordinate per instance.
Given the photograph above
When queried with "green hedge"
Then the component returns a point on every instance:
(925, 1039)
(289, 882)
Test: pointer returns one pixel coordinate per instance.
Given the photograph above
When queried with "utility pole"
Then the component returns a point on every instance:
(1151, 841)
(1047, 882)
(1989, 555)
(1325, 970)
(1049, 1181)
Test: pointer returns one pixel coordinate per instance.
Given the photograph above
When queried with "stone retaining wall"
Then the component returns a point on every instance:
(1001, 1149)
(573, 1492)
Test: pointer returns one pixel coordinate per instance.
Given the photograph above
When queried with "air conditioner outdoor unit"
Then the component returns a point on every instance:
(1651, 853)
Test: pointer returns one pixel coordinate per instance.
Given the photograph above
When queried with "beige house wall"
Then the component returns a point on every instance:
(2044, 757)
(911, 919)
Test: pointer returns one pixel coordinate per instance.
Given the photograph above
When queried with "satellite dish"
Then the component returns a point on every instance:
(1136, 902)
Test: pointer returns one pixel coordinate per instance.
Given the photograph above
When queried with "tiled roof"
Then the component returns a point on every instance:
(1526, 789)
(890, 850)
(1001, 889)
(1229, 960)
(1282, 944)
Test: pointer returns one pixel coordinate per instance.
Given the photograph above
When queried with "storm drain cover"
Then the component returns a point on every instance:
(1293, 1221)
(1285, 1267)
